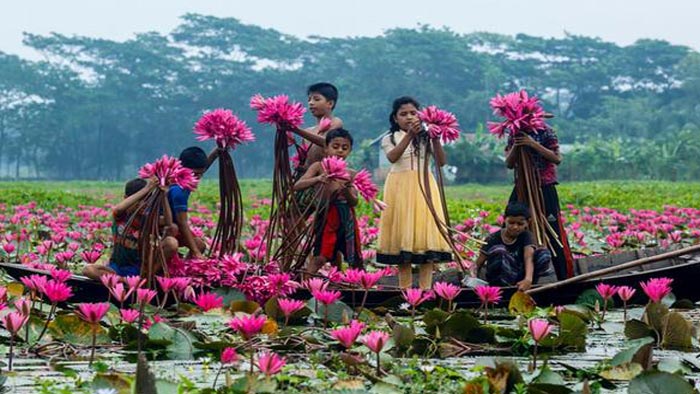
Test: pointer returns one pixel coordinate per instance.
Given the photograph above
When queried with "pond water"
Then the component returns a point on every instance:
(30, 374)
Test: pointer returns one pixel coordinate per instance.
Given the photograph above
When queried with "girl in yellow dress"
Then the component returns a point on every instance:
(408, 232)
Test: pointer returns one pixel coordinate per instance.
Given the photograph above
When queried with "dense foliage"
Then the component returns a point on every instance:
(97, 109)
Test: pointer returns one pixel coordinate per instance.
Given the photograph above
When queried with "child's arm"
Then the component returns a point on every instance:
(395, 154)
(190, 243)
(549, 155)
(128, 202)
(213, 155)
(349, 191)
(310, 136)
(525, 284)
(480, 260)
(311, 177)
(167, 213)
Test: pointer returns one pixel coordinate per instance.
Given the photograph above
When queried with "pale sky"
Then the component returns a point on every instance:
(619, 21)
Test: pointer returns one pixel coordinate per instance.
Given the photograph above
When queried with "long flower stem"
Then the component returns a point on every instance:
(252, 355)
(624, 308)
(379, 366)
(46, 325)
(94, 340)
(216, 378)
(534, 358)
(12, 344)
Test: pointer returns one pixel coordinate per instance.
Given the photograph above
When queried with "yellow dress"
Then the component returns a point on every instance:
(407, 229)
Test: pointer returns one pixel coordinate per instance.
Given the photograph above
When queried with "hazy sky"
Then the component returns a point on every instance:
(613, 20)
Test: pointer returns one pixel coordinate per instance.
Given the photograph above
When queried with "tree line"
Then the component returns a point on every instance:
(98, 109)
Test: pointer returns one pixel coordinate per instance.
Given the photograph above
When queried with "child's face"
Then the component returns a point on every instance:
(319, 105)
(515, 225)
(407, 114)
(339, 147)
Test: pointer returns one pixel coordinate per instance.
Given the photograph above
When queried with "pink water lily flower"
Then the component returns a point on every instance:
(129, 315)
(170, 171)
(416, 296)
(447, 291)
(288, 307)
(348, 335)
(229, 356)
(364, 185)
(92, 312)
(57, 291)
(248, 326)
(14, 321)
(315, 284)
(145, 295)
(224, 127)
(375, 341)
(522, 113)
(335, 168)
(327, 297)
(90, 257)
(270, 363)
(441, 124)
(488, 295)
(278, 110)
(208, 301)
(539, 329)
(324, 125)
(657, 288)
(625, 293)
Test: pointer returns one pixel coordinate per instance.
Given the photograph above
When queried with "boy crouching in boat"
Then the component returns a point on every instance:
(510, 254)
(126, 259)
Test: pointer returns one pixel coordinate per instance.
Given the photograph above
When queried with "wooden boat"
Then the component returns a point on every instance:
(684, 270)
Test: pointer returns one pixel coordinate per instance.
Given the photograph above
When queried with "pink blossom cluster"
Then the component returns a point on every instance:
(335, 168)
(522, 113)
(168, 170)
(224, 127)
(441, 124)
(278, 110)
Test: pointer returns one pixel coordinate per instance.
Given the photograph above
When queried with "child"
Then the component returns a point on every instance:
(197, 160)
(126, 259)
(322, 100)
(510, 253)
(408, 233)
(543, 147)
(335, 228)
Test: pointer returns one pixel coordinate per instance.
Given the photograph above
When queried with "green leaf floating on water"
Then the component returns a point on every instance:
(655, 382)
(179, 343)
(633, 352)
(71, 329)
(338, 312)
(654, 315)
(546, 388)
(677, 332)
(572, 332)
(636, 329)
(521, 304)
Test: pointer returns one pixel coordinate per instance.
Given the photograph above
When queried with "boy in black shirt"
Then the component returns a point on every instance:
(510, 254)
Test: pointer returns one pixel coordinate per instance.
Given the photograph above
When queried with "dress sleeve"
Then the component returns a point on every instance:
(527, 239)
(387, 146)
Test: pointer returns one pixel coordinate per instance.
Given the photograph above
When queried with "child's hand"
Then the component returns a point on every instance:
(524, 284)
(415, 127)
(323, 178)
(524, 140)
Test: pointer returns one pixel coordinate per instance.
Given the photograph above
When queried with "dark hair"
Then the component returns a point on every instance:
(338, 133)
(134, 185)
(395, 106)
(194, 158)
(517, 209)
(326, 90)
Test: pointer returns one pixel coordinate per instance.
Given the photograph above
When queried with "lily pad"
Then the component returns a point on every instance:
(179, 343)
(625, 372)
(229, 294)
(572, 332)
(655, 382)
(546, 388)
(120, 383)
(434, 319)
(654, 315)
(635, 351)
(338, 312)
(636, 329)
(403, 336)
(521, 303)
(677, 332)
(244, 306)
(70, 328)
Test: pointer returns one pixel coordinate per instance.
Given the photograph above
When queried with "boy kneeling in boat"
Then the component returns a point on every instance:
(511, 255)
(125, 259)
